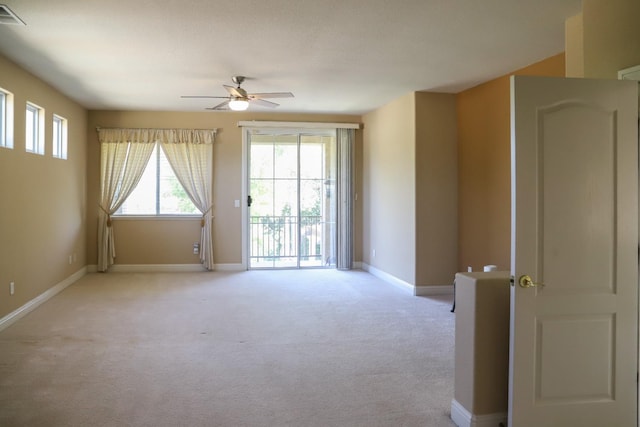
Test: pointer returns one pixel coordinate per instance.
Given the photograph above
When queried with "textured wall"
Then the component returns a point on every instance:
(389, 188)
(484, 165)
(611, 36)
(42, 199)
(436, 188)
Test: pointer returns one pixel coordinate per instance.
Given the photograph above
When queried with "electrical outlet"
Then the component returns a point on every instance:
(373, 252)
(70, 259)
(12, 288)
(196, 248)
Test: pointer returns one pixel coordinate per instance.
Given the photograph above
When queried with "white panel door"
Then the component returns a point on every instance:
(573, 349)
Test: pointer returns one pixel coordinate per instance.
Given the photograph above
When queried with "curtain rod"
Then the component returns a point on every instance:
(98, 128)
(308, 125)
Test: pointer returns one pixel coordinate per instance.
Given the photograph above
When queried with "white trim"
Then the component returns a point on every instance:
(155, 268)
(164, 268)
(427, 290)
(244, 213)
(417, 290)
(306, 125)
(19, 313)
(387, 277)
(357, 265)
(463, 418)
(459, 415)
(230, 267)
(631, 73)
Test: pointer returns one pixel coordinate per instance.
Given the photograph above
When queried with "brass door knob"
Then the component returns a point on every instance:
(525, 281)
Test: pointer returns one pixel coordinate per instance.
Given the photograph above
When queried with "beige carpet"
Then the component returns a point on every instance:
(258, 348)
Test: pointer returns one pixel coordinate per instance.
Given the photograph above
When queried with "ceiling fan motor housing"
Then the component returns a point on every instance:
(238, 80)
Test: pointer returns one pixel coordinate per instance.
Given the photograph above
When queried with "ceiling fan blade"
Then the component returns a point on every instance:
(202, 96)
(270, 95)
(233, 91)
(263, 103)
(222, 106)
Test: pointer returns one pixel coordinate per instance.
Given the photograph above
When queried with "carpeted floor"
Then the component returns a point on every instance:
(258, 348)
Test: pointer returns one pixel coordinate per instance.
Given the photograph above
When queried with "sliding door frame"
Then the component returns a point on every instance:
(247, 127)
(300, 132)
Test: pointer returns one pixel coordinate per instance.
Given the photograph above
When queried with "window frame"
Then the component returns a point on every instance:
(35, 144)
(6, 119)
(156, 158)
(59, 147)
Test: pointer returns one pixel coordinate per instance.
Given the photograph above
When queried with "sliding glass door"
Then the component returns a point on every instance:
(292, 203)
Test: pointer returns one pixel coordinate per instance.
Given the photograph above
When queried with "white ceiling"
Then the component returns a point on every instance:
(336, 56)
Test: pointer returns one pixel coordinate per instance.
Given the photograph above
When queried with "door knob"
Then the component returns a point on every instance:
(525, 281)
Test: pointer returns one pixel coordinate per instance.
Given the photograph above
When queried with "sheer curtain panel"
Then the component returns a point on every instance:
(190, 154)
(123, 157)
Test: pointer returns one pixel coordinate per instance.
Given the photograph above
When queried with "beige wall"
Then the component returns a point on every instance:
(484, 165)
(171, 242)
(611, 36)
(389, 188)
(42, 199)
(574, 46)
(436, 188)
(410, 188)
(165, 241)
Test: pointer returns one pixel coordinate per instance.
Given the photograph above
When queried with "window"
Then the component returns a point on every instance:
(59, 137)
(34, 135)
(6, 119)
(159, 192)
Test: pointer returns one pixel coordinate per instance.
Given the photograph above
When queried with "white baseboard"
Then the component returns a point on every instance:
(230, 267)
(156, 268)
(417, 290)
(383, 275)
(423, 291)
(463, 418)
(18, 314)
(164, 268)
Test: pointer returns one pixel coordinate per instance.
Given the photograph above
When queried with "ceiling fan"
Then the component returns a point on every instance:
(239, 100)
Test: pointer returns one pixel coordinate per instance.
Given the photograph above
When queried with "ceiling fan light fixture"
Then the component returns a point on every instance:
(238, 104)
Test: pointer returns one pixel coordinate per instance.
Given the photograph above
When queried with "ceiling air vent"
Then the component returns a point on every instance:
(8, 17)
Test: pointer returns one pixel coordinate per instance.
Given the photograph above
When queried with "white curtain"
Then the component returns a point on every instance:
(123, 158)
(190, 154)
(345, 141)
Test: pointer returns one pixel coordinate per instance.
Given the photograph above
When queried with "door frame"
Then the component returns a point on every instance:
(244, 198)
(633, 73)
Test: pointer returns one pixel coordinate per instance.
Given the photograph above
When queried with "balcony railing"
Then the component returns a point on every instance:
(274, 241)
